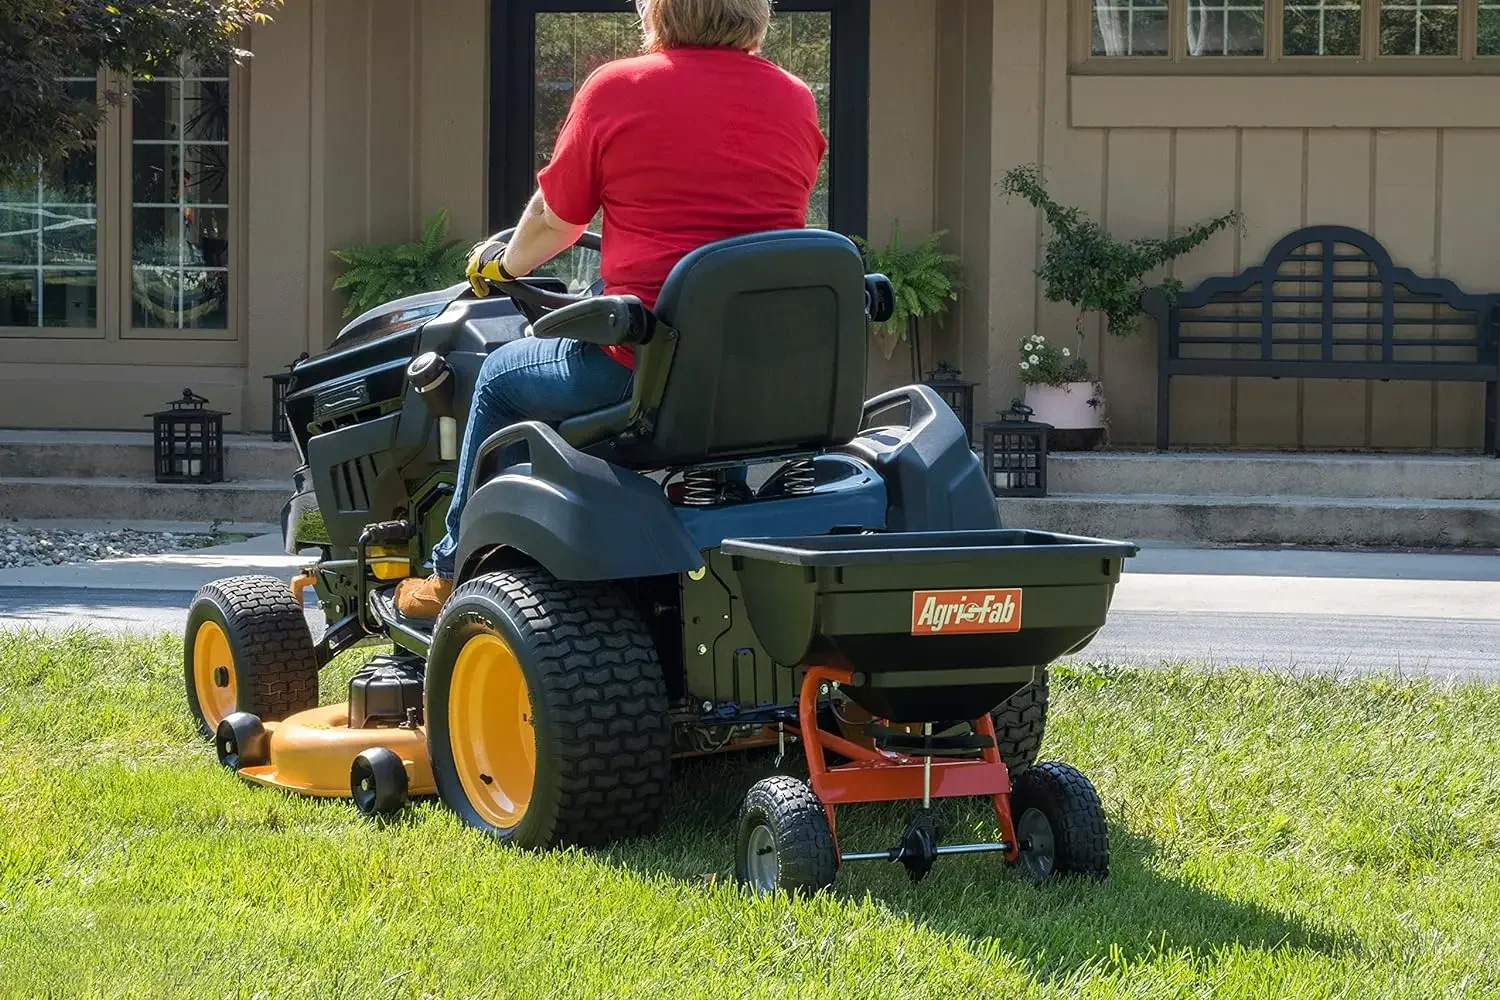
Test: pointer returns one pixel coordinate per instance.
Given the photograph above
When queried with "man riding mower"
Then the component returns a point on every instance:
(624, 596)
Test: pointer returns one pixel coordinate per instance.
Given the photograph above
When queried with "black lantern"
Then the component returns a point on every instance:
(958, 394)
(1015, 453)
(188, 441)
(281, 430)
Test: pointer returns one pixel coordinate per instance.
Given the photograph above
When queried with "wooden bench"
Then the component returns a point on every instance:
(1328, 302)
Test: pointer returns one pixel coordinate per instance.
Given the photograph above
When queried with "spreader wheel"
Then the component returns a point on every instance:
(546, 711)
(784, 842)
(1059, 822)
(242, 741)
(1020, 722)
(378, 783)
(247, 648)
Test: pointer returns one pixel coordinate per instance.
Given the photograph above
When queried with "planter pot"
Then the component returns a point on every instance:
(1075, 411)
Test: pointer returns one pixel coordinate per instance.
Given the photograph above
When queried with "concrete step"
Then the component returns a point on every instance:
(127, 455)
(1443, 477)
(256, 501)
(1264, 520)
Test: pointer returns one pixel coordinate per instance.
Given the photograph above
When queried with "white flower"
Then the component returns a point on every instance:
(1040, 339)
(1035, 360)
(1028, 346)
(1067, 353)
(1025, 366)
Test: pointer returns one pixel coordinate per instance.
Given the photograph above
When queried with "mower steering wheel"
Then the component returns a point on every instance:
(534, 301)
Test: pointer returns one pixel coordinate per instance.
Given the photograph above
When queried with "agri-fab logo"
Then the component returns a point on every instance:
(958, 612)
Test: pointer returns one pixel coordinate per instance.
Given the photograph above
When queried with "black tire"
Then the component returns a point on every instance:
(598, 706)
(1055, 801)
(377, 782)
(1020, 723)
(274, 665)
(783, 821)
(241, 741)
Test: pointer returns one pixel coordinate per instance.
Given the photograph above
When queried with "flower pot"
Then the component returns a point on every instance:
(1075, 412)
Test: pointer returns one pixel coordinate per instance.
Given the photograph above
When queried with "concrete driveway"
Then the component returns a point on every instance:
(1272, 609)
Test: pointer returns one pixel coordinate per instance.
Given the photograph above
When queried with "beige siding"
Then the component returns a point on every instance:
(1431, 195)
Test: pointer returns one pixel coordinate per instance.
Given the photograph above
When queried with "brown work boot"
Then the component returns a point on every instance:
(416, 598)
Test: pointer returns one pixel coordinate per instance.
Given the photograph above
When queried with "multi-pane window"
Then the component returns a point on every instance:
(1130, 28)
(1419, 27)
(49, 241)
(1179, 31)
(179, 200)
(1488, 37)
(1321, 27)
(1226, 28)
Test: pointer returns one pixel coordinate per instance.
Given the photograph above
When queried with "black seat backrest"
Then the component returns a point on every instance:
(761, 352)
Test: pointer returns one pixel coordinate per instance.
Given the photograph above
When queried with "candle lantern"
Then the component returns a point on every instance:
(1015, 453)
(957, 393)
(188, 441)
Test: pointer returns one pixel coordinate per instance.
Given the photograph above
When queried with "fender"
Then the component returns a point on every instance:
(579, 517)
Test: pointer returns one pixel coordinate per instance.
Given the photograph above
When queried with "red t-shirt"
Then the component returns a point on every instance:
(682, 148)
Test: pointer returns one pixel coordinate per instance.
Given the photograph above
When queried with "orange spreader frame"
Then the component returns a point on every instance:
(879, 776)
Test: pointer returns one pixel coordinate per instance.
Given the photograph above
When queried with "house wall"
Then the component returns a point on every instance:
(1415, 165)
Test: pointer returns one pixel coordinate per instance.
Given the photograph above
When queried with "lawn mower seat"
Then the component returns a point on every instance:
(757, 348)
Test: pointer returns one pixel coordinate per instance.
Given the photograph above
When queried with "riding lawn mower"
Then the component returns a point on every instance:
(745, 553)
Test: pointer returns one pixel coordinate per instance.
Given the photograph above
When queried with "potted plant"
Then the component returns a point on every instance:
(380, 274)
(925, 280)
(1061, 393)
(1086, 267)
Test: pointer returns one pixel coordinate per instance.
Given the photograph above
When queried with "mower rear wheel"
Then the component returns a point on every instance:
(784, 843)
(546, 711)
(1020, 723)
(247, 648)
(1059, 822)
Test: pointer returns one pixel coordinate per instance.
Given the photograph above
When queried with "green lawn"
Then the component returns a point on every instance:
(1274, 836)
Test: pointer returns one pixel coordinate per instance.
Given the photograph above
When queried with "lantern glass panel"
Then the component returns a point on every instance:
(1015, 458)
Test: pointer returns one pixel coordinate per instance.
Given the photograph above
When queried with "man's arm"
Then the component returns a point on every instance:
(540, 235)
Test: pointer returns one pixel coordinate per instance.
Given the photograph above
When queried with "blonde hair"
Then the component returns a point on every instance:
(735, 24)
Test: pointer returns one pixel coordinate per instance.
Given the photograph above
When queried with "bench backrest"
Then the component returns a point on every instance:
(1328, 296)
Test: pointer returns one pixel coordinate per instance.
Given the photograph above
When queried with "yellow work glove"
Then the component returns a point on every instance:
(485, 268)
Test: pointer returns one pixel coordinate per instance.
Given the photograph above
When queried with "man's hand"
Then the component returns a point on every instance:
(485, 268)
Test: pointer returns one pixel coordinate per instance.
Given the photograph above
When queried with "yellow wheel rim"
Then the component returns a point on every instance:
(213, 674)
(491, 732)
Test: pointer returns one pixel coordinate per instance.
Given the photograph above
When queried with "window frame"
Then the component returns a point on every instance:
(1468, 61)
(512, 175)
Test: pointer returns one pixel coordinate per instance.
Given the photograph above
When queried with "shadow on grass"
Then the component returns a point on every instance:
(1056, 928)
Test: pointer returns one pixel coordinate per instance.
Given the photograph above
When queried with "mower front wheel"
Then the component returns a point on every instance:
(1060, 824)
(247, 648)
(784, 842)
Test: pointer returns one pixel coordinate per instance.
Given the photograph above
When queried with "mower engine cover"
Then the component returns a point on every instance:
(387, 690)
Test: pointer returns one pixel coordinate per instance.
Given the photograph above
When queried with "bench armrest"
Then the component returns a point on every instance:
(606, 320)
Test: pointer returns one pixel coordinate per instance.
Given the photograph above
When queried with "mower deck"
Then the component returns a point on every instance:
(311, 753)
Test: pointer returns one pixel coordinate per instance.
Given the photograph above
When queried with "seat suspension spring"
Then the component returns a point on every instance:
(800, 477)
(702, 487)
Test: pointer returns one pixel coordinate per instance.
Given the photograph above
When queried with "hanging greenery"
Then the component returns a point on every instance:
(381, 273)
(1085, 266)
(924, 277)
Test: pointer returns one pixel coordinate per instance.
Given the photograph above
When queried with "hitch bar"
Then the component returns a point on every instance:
(894, 854)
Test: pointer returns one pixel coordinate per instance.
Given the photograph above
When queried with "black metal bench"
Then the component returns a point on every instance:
(1328, 302)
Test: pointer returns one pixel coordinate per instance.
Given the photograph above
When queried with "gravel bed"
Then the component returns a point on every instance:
(61, 546)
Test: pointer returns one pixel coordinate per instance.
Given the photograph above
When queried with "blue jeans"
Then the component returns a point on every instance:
(532, 378)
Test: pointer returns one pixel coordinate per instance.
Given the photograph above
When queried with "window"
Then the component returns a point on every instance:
(179, 200)
(1326, 33)
(131, 236)
(1321, 28)
(49, 242)
(1226, 28)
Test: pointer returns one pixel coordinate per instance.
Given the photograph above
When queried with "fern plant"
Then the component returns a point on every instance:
(924, 278)
(380, 273)
(1085, 266)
